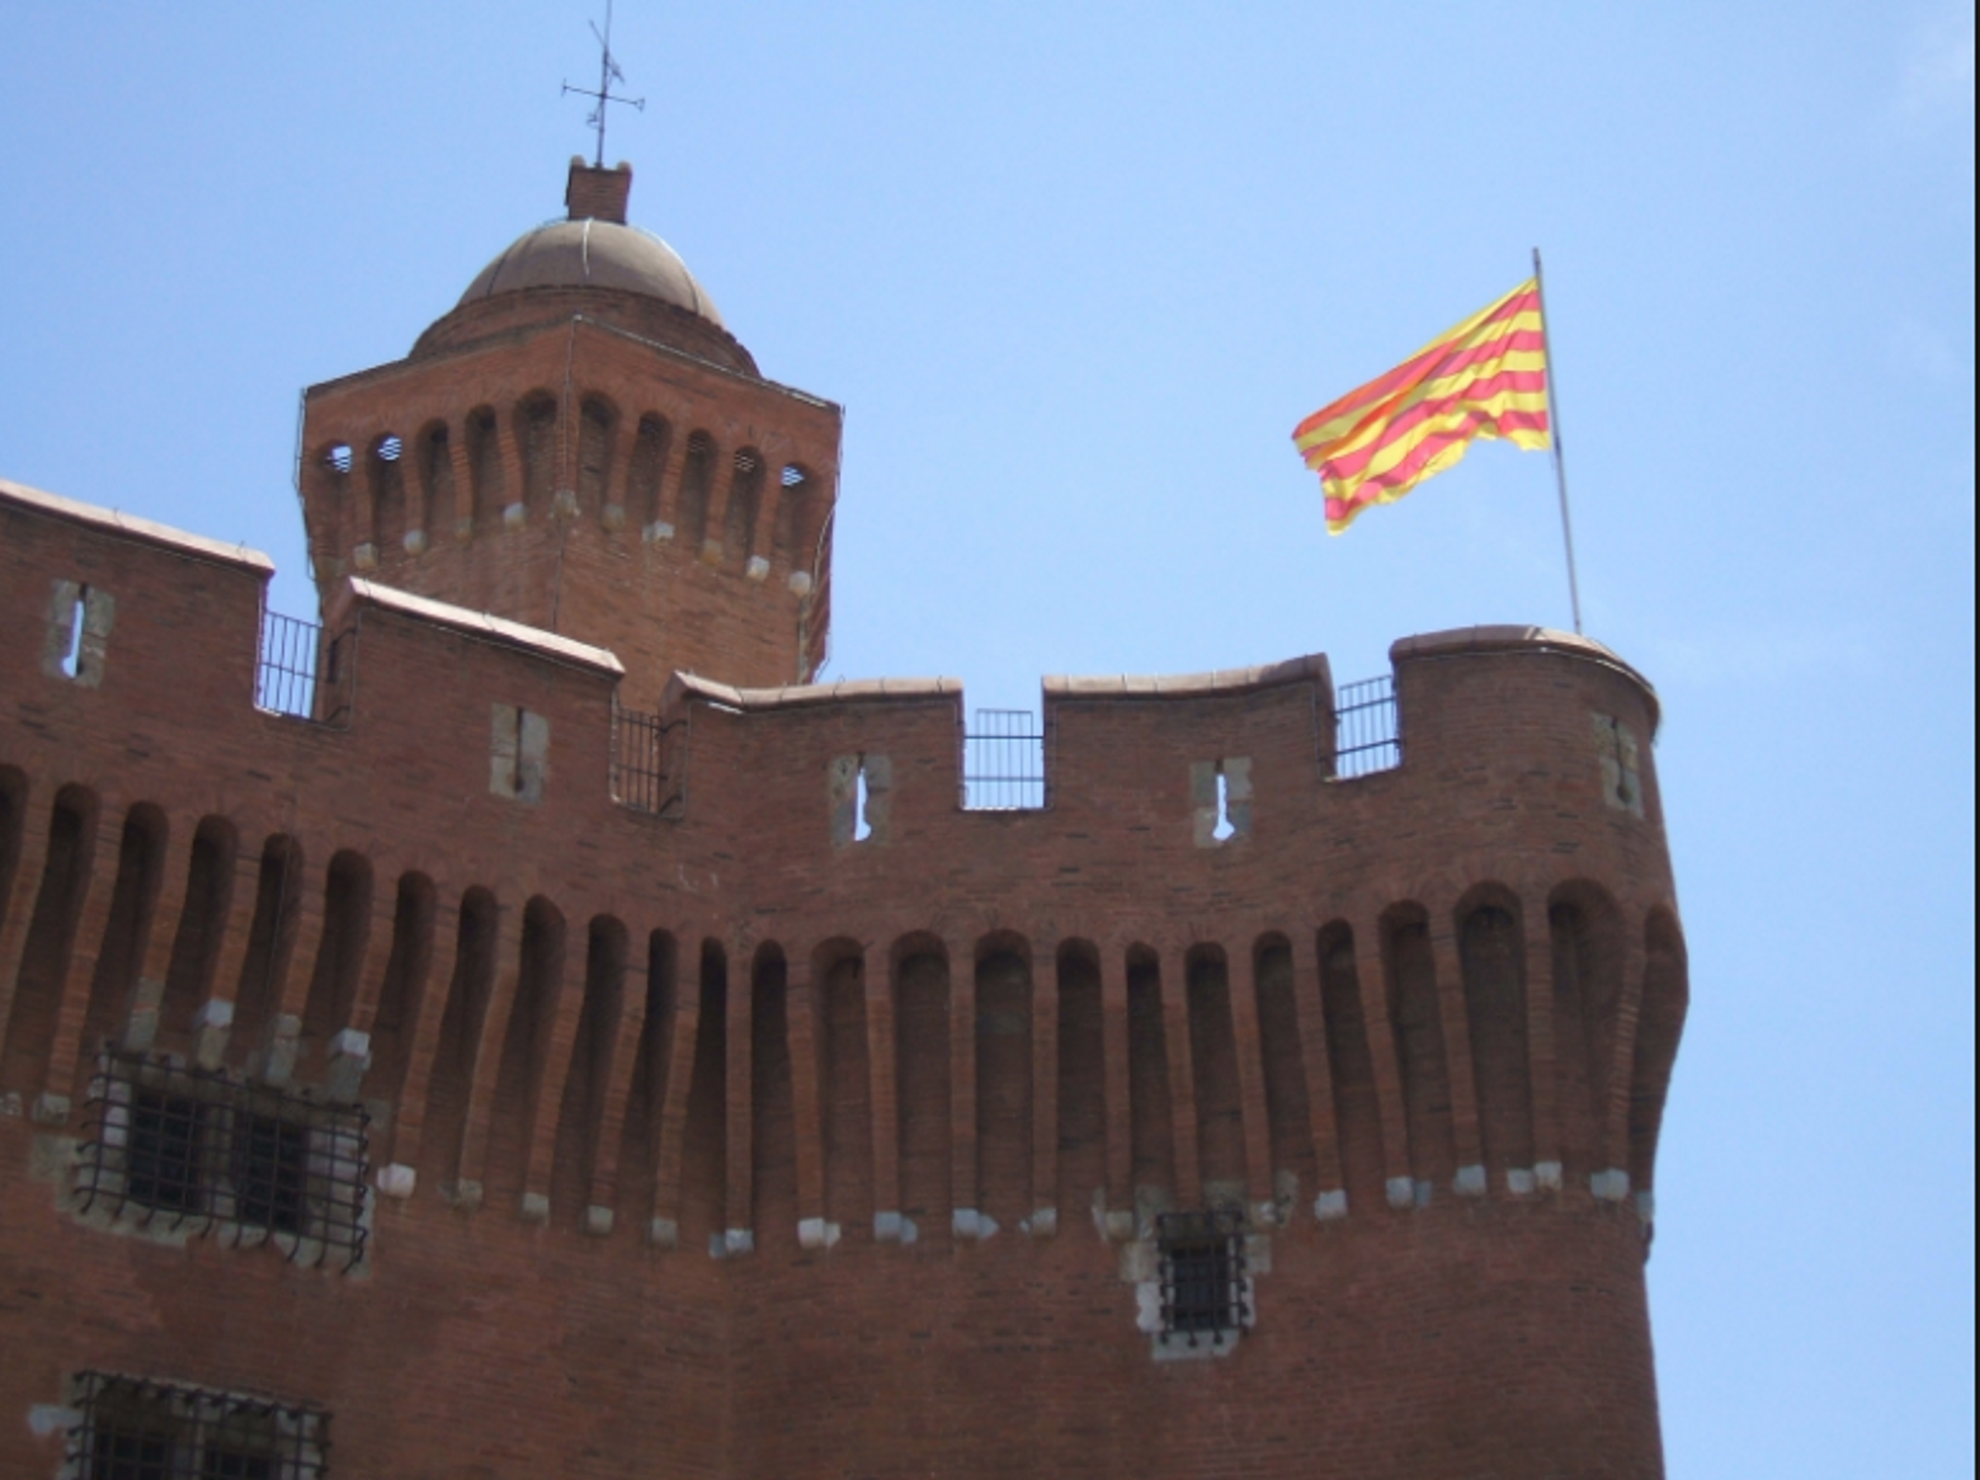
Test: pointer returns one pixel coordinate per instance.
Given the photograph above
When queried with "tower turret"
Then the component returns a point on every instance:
(581, 445)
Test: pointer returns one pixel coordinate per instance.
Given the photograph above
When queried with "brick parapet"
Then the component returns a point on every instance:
(1502, 784)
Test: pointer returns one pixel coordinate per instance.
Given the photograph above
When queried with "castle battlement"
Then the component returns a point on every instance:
(465, 1006)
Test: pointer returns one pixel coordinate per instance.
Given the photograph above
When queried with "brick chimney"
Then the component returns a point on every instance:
(598, 195)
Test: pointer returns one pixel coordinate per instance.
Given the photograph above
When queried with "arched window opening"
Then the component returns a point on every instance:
(1491, 957)
(333, 986)
(120, 956)
(536, 431)
(1586, 935)
(1082, 1083)
(1150, 1115)
(697, 478)
(793, 516)
(1415, 1018)
(201, 928)
(639, 1148)
(1660, 1023)
(1004, 1093)
(1288, 1108)
(921, 1072)
(598, 426)
(13, 832)
(484, 446)
(402, 994)
(745, 495)
(581, 1115)
(704, 1156)
(525, 1050)
(388, 492)
(846, 1076)
(436, 476)
(1351, 1066)
(462, 1023)
(649, 464)
(773, 1128)
(44, 965)
(1213, 1067)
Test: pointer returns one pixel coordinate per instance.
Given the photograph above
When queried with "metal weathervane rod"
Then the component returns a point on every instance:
(1554, 429)
(608, 73)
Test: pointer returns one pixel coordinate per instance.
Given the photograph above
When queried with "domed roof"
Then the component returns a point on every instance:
(594, 253)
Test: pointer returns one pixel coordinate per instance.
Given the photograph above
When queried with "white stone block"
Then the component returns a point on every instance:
(1548, 1175)
(1331, 1204)
(397, 1180)
(598, 1220)
(534, 1208)
(1470, 1181)
(1520, 1181)
(1401, 1191)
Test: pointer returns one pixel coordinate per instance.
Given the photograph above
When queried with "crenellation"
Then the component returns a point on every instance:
(634, 945)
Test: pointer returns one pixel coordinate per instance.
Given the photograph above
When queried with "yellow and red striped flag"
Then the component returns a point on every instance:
(1485, 378)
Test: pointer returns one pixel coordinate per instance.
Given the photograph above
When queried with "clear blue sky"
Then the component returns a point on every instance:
(1075, 271)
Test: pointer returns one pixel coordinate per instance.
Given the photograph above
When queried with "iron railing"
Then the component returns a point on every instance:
(642, 760)
(137, 1428)
(204, 1151)
(1004, 762)
(297, 674)
(1204, 1289)
(1367, 733)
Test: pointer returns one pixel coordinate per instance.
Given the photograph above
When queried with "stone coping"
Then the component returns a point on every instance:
(483, 625)
(1512, 638)
(132, 526)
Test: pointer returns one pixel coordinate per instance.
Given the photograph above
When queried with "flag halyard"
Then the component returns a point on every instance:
(1486, 377)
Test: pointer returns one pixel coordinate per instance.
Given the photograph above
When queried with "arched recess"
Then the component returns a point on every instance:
(745, 498)
(134, 902)
(1415, 1019)
(1151, 1121)
(1351, 1066)
(462, 1022)
(44, 968)
(525, 1050)
(402, 994)
(13, 832)
(536, 436)
(436, 478)
(598, 436)
(386, 469)
(1586, 932)
(697, 479)
(921, 1068)
(639, 1149)
(844, 1076)
(1213, 1063)
(334, 982)
(1288, 1103)
(704, 1161)
(581, 1115)
(773, 1104)
(1003, 1078)
(201, 928)
(794, 517)
(271, 943)
(1492, 960)
(649, 464)
(1082, 1080)
(490, 494)
(1659, 1024)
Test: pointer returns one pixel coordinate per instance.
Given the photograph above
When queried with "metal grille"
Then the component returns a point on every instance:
(641, 755)
(1203, 1274)
(1004, 762)
(251, 1163)
(134, 1428)
(286, 677)
(1367, 735)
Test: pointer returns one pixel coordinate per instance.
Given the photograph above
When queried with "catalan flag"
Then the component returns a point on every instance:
(1485, 378)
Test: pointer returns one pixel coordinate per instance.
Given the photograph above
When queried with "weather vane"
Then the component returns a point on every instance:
(608, 73)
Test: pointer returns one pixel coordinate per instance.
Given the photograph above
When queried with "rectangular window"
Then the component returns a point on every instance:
(1204, 1289)
(199, 1148)
(134, 1428)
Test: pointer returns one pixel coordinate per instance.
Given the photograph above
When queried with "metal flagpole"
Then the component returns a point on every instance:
(1554, 428)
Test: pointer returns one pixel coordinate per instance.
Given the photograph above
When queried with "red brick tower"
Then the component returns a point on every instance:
(581, 446)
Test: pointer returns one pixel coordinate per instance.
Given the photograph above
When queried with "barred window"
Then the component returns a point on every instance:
(1204, 1289)
(200, 1148)
(134, 1428)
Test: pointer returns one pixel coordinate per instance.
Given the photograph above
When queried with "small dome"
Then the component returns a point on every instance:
(593, 253)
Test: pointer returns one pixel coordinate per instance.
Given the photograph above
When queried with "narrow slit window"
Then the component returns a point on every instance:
(72, 656)
(862, 824)
(1224, 829)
